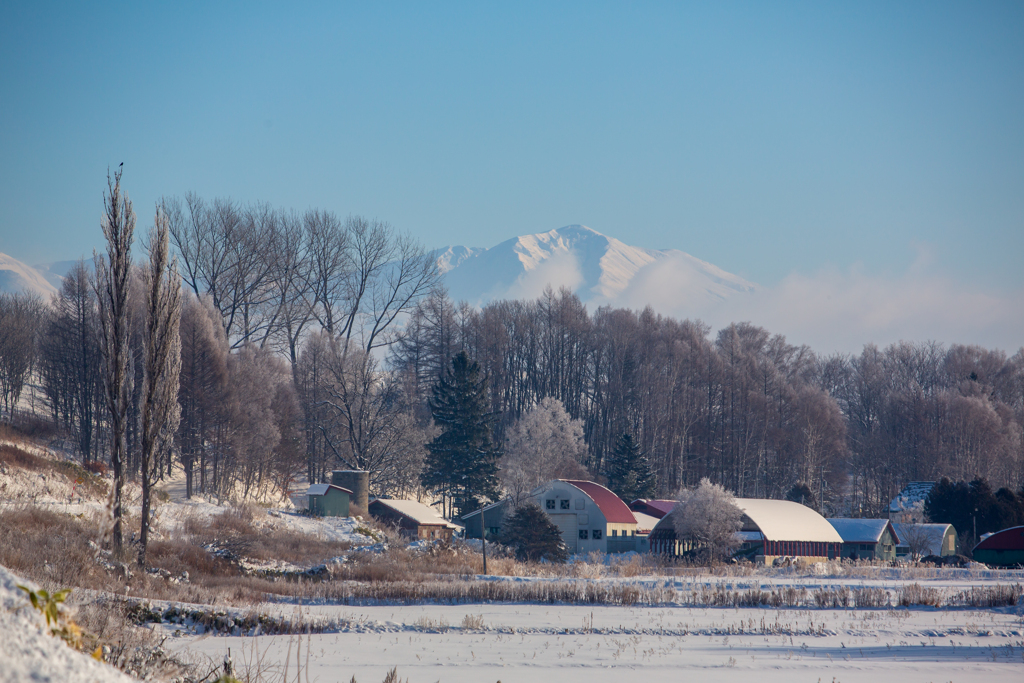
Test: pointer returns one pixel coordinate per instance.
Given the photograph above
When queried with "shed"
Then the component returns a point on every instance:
(771, 529)
(866, 539)
(412, 518)
(921, 540)
(1002, 549)
(328, 500)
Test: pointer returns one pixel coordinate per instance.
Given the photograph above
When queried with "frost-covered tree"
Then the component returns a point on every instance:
(707, 516)
(545, 444)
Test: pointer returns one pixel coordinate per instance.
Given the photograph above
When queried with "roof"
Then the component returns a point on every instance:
(321, 489)
(614, 510)
(645, 523)
(485, 508)
(415, 511)
(783, 520)
(654, 508)
(912, 496)
(1007, 539)
(860, 530)
(932, 534)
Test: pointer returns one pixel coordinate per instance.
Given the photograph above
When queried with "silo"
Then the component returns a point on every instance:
(356, 481)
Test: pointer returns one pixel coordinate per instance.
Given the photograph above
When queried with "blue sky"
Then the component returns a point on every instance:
(767, 138)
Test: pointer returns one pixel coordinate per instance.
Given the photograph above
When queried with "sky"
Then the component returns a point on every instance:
(873, 148)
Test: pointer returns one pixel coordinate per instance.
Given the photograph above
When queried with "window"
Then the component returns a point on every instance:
(597, 534)
(549, 503)
(564, 504)
(580, 503)
(583, 534)
(615, 532)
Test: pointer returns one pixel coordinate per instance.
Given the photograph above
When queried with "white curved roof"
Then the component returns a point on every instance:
(782, 520)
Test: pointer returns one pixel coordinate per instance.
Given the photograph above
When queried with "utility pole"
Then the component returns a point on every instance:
(483, 535)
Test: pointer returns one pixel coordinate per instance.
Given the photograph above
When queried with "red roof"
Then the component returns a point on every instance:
(654, 508)
(1007, 539)
(615, 511)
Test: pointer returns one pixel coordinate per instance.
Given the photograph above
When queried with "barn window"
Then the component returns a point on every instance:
(564, 504)
(549, 503)
(584, 519)
(615, 532)
(580, 503)
(583, 534)
(597, 534)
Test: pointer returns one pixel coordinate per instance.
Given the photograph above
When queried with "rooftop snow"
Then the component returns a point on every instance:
(782, 520)
(859, 530)
(416, 511)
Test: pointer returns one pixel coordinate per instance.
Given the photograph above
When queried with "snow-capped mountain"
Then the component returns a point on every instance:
(598, 268)
(16, 277)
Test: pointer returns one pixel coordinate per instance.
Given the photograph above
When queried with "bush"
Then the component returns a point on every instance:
(533, 536)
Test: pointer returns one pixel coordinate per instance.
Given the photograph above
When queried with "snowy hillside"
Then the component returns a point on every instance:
(16, 276)
(600, 269)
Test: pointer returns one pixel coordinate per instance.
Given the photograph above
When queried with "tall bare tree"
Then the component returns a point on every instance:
(160, 408)
(112, 285)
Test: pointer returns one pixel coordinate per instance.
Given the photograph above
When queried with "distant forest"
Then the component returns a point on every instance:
(311, 343)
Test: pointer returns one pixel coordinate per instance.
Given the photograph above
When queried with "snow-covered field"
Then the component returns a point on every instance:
(528, 642)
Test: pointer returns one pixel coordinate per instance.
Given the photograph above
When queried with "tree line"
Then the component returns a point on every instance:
(310, 343)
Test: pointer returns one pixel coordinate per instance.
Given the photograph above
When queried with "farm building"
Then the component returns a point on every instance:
(867, 539)
(654, 508)
(908, 505)
(413, 519)
(493, 515)
(771, 529)
(1002, 549)
(328, 500)
(921, 540)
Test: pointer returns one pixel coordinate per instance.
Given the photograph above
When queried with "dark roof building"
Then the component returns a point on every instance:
(1002, 549)
(654, 508)
(867, 539)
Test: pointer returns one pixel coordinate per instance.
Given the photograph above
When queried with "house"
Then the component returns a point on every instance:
(1002, 549)
(328, 500)
(413, 519)
(866, 539)
(908, 505)
(922, 540)
(770, 529)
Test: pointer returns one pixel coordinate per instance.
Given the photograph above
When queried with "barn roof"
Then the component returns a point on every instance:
(654, 508)
(861, 530)
(645, 523)
(931, 533)
(1007, 539)
(321, 489)
(614, 510)
(415, 511)
(783, 520)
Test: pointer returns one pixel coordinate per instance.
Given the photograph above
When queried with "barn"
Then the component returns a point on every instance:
(866, 539)
(921, 540)
(653, 508)
(771, 529)
(590, 517)
(412, 518)
(1002, 549)
(328, 500)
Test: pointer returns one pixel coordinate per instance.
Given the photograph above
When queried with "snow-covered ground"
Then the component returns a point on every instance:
(529, 642)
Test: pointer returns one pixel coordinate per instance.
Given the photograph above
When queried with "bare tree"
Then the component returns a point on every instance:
(112, 285)
(160, 408)
(545, 444)
(20, 316)
(707, 516)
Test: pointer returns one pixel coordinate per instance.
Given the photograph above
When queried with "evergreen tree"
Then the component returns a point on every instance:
(462, 461)
(533, 536)
(801, 493)
(629, 472)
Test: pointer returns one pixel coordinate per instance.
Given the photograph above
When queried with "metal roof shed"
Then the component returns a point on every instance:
(867, 538)
(328, 500)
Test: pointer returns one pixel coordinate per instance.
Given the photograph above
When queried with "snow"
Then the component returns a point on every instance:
(912, 497)
(16, 277)
(29, 653)
(783, 520)
(600, 269)
(416, 511)
(531, 642)
(859, 530)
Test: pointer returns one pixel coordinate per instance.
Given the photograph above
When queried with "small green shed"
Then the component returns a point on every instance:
(866, 539)
(328, 500)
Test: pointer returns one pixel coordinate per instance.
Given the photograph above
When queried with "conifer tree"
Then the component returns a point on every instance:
(533, 536)
(629, 472)
(462, 461)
